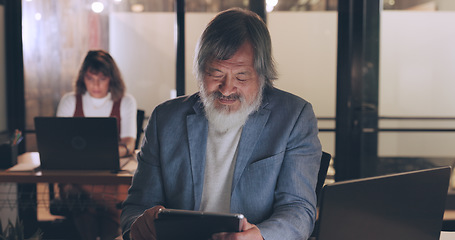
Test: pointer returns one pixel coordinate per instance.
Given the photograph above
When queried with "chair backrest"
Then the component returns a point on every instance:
(140, 130)
(322, 174)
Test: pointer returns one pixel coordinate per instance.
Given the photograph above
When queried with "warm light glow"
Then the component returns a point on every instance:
(97, 7)
(137, 7)
(270, 4)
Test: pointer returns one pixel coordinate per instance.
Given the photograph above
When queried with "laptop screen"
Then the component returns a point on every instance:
(394, 207)
(77, 143)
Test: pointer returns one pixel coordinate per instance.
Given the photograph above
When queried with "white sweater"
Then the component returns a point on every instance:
(102, 107)
(221, 155)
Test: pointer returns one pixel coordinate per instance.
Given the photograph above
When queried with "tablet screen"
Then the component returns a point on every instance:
(173, 224)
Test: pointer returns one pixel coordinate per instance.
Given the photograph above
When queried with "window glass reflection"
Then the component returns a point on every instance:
(415, 84)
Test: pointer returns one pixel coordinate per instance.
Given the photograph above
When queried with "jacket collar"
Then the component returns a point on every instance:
(197, 127)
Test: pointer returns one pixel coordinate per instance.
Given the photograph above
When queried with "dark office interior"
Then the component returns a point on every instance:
(358, 129)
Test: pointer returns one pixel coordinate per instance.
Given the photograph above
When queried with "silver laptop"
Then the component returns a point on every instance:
(77, 143)
(400, 206)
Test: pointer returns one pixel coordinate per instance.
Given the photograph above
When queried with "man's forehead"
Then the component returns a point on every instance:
(244, 56)
(217, 64)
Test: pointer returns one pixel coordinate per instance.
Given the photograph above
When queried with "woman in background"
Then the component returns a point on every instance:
(100, 92)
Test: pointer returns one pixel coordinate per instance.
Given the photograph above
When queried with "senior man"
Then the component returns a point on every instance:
(239, 145)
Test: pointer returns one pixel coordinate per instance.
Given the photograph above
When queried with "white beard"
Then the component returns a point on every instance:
(221, 119)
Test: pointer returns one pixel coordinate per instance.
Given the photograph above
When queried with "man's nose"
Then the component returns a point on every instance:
(227, 87)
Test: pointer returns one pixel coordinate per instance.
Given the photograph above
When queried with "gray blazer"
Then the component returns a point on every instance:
(275, 172)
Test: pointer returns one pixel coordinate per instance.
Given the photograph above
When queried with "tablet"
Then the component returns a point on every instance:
(175, 224)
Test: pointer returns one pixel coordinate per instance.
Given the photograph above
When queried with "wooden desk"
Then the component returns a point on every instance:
(38, 196)
(33, 205)
(449, 214)
(30, 160)
(82, 177)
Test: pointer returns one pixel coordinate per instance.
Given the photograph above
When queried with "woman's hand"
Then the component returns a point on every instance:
(126, 146)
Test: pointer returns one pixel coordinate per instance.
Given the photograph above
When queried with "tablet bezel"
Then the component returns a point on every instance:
(187, 224)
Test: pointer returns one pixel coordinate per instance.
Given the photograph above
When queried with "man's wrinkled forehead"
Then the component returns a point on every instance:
(242, 56)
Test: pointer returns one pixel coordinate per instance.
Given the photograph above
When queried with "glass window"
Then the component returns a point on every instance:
(416, 100)
(304, 43)
(57, 35)
(140, 35)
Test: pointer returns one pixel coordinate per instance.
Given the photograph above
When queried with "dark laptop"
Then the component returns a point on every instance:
(77, 143)
(400, 206)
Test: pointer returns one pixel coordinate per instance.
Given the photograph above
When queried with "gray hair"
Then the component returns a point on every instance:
(226, 33)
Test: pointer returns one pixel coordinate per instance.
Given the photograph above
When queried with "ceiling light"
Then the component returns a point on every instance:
(137, 7)
(97, 7)
(38, 16)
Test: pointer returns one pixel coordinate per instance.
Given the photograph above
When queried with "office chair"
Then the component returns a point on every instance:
(322, 174)
(140, 129)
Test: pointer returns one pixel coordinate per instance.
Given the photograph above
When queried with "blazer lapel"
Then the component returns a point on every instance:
(197, 128)
(248, 140)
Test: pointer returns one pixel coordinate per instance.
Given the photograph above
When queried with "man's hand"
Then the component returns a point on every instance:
(249, 232)
(144, 226)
